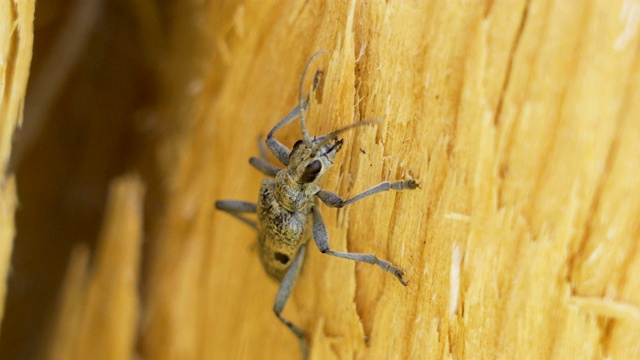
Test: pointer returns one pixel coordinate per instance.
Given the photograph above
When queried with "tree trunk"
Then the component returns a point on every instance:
(519, 120)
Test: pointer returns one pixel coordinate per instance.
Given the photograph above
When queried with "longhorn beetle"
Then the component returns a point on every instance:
(288, 204)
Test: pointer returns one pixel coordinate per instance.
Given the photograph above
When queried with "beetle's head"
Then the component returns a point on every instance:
(311, 161)
(311, 157)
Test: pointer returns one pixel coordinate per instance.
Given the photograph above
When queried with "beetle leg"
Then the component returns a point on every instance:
(284, 291)
(280, 151)
(264, 166)
(236, 207)
(322, 241)
(334, 200)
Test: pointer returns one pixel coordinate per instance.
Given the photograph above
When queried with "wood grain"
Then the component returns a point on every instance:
(518, 118)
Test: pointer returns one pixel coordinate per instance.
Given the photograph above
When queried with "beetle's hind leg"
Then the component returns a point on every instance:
(284, 291)
(322, 241)
(236, 207)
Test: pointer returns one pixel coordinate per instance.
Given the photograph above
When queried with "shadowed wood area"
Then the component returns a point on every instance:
(519, 119)
(16, 46)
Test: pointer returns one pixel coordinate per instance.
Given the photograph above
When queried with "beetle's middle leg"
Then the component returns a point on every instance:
(336, 201)
(284, 291)
(236, 207)
(322, 241)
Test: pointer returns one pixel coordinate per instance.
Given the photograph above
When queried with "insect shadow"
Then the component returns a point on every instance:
(287, 211)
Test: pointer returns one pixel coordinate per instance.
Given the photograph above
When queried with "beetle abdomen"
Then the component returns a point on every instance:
(280, 232)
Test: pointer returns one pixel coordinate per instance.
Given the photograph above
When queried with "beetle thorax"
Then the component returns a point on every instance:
(299, 181)
(289, 193)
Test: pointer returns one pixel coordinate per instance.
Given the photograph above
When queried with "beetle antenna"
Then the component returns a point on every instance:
(302, 105)
(334, 134)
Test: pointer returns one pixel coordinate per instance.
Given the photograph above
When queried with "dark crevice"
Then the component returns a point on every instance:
(488, 8)
(607, 326)
(358, 111)
(504, 168)
(514, 49)
(595, 204)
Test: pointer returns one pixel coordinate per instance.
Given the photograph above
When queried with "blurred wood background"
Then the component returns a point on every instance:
(520, 120)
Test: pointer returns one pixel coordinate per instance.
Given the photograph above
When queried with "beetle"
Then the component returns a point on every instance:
(287, 207)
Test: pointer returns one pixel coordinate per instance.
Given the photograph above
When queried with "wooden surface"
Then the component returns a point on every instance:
(16, 46)
(518, 118)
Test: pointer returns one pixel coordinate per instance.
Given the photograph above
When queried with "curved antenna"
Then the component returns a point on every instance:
(334, 134)
(301, 103)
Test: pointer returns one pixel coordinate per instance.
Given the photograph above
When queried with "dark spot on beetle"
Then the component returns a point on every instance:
(284, 259)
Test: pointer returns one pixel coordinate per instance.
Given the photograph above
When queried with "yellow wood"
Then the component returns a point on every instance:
(520, 120)
(516, 117)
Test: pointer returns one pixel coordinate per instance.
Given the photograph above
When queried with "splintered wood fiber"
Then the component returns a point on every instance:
(519, 119)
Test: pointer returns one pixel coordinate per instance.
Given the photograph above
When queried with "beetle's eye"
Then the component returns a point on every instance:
(311, 171)
(295, 147)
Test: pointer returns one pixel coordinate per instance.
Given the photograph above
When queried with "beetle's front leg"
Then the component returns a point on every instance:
(280, 151)
(334, 200)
